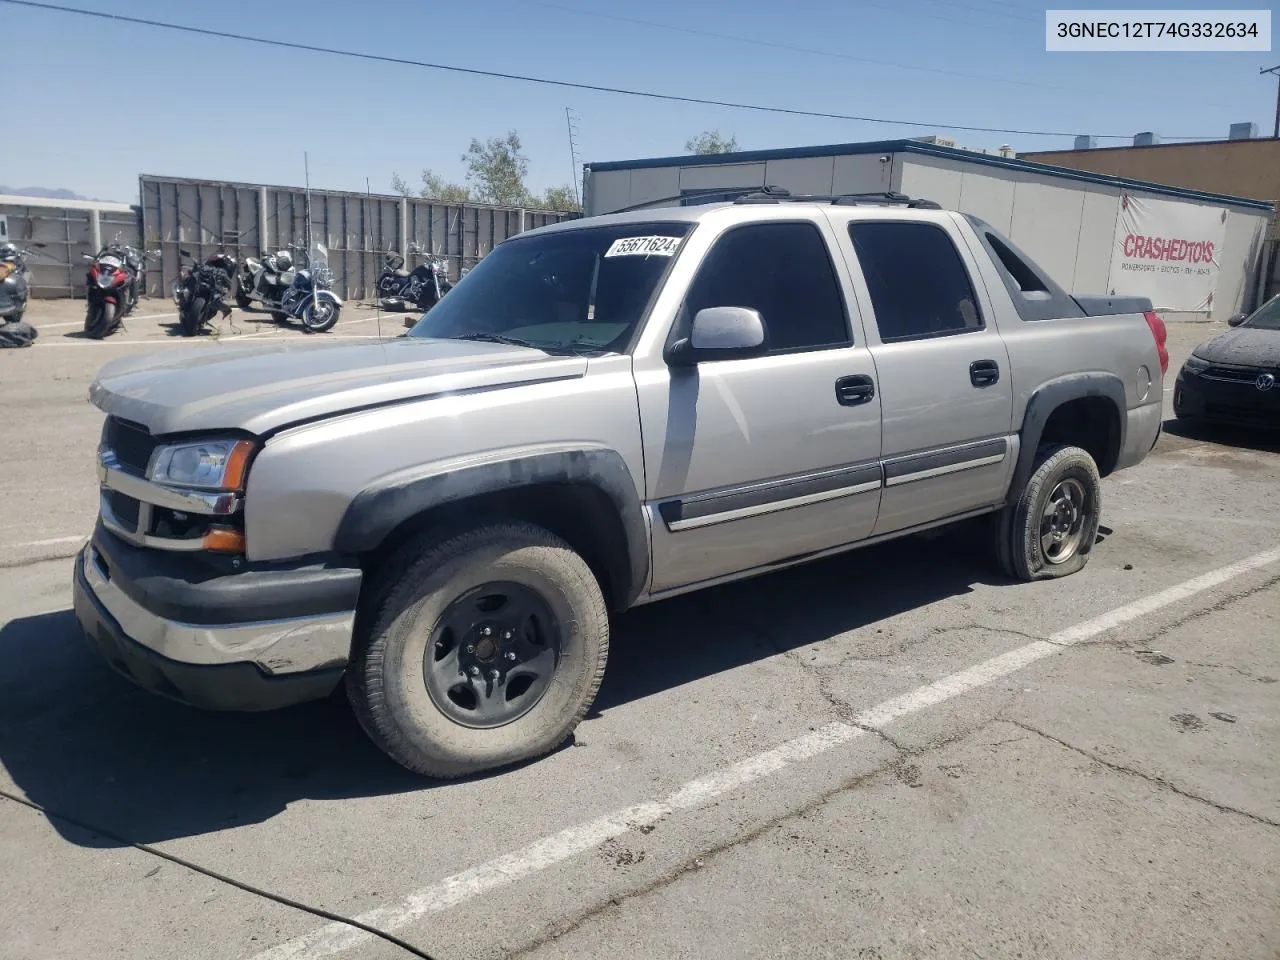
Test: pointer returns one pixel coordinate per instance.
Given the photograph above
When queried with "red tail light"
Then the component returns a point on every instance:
(1161, 334)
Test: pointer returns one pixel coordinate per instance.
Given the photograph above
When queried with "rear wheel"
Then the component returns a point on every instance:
(192, 315)
(482, 650)
(1050, 530)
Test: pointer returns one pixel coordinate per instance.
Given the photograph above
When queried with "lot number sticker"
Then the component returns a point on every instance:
(643, 247)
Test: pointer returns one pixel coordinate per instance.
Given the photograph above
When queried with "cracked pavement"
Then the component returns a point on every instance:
(1120, 798)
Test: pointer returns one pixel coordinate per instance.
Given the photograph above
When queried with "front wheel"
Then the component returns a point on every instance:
(100, 320)
(1050, 530)
(320, 315)
(481, 650)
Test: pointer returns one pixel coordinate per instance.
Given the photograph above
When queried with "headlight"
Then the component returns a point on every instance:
(105, 279)
(1195, 364)
(206, 465)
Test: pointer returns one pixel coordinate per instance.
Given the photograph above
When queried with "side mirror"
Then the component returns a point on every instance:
(1238, 319)
(720, 333)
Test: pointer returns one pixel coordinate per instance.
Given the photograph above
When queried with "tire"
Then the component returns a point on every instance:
(101, 320)
(242, 300)
(1020, 529)
(279, 317)
(190, 317)
(320, 316)
(397, 695)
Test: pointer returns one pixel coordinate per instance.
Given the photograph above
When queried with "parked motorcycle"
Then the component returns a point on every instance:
(15, 281)
(289, 291)
(400, 289)
(111, 290)
(203, 289)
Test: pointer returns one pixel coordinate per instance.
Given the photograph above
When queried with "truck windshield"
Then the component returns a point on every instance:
(573, 291)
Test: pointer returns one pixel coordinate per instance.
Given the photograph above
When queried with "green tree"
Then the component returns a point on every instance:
(436, 187)
(711, 141)
(563, 199)
(399, 186)
(496, 170)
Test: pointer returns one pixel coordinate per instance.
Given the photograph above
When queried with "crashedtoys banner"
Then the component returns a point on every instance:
(1168, 251)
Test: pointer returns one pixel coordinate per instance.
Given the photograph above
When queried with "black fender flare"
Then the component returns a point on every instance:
(391, 501)
(1047, 398)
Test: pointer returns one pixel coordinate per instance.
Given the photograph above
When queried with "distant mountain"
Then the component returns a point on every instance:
(58, 193)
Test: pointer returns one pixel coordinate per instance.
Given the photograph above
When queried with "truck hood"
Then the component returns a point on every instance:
(1245, 346)
(261, 388)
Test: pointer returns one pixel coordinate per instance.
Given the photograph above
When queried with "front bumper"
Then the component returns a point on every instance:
(257, 639)
(1238, 402)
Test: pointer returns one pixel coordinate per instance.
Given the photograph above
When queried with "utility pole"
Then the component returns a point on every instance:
(1275, 70)
(572, 123)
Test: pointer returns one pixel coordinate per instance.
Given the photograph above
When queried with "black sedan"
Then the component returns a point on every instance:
(1235, 377)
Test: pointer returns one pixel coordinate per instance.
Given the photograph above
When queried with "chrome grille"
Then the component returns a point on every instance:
(131, 443)
(1247, 375)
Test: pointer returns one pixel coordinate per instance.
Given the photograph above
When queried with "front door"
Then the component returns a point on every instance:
(754, 461)
(945, 382)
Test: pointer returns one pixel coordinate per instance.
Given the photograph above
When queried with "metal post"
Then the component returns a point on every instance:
(95, 230)
(262, 220)
(1275, 133)
(404, 228)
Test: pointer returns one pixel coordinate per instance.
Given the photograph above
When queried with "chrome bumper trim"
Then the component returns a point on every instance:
(112, 523)
(276, 646)
(113, 477)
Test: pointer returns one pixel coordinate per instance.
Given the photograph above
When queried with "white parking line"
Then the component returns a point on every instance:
(541, 854)
(80, 323)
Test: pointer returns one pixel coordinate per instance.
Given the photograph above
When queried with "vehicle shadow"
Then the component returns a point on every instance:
(674, 642)
(1262, 441)
(85, 743)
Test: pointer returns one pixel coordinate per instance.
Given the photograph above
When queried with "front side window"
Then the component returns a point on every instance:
(919, 286)
(781, 270)
(573, 291)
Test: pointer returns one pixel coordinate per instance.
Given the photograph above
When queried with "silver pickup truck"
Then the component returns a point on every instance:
(603, 413)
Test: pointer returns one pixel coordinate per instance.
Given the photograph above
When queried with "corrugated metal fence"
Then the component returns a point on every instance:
(66, 229)
(201, 216)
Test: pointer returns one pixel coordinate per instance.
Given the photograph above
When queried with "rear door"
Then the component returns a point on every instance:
(945, 385)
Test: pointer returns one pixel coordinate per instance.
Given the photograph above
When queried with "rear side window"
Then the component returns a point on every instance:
(782, 270)
(919, 286)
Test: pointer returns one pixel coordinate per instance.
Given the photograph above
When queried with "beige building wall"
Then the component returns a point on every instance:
(1239, 168)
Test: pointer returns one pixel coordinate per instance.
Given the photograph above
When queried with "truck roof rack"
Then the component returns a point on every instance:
(774, 194)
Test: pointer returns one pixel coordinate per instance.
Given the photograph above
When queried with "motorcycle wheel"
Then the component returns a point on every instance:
(320, 316)
(242, 299)
(190, 317)
(100, 321)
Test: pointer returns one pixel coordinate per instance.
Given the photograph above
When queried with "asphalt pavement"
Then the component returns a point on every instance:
(895, 753)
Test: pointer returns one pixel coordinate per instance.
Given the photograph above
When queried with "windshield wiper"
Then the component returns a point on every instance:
(499, 338)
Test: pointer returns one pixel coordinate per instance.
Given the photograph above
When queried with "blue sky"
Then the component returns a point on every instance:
(93, 103)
